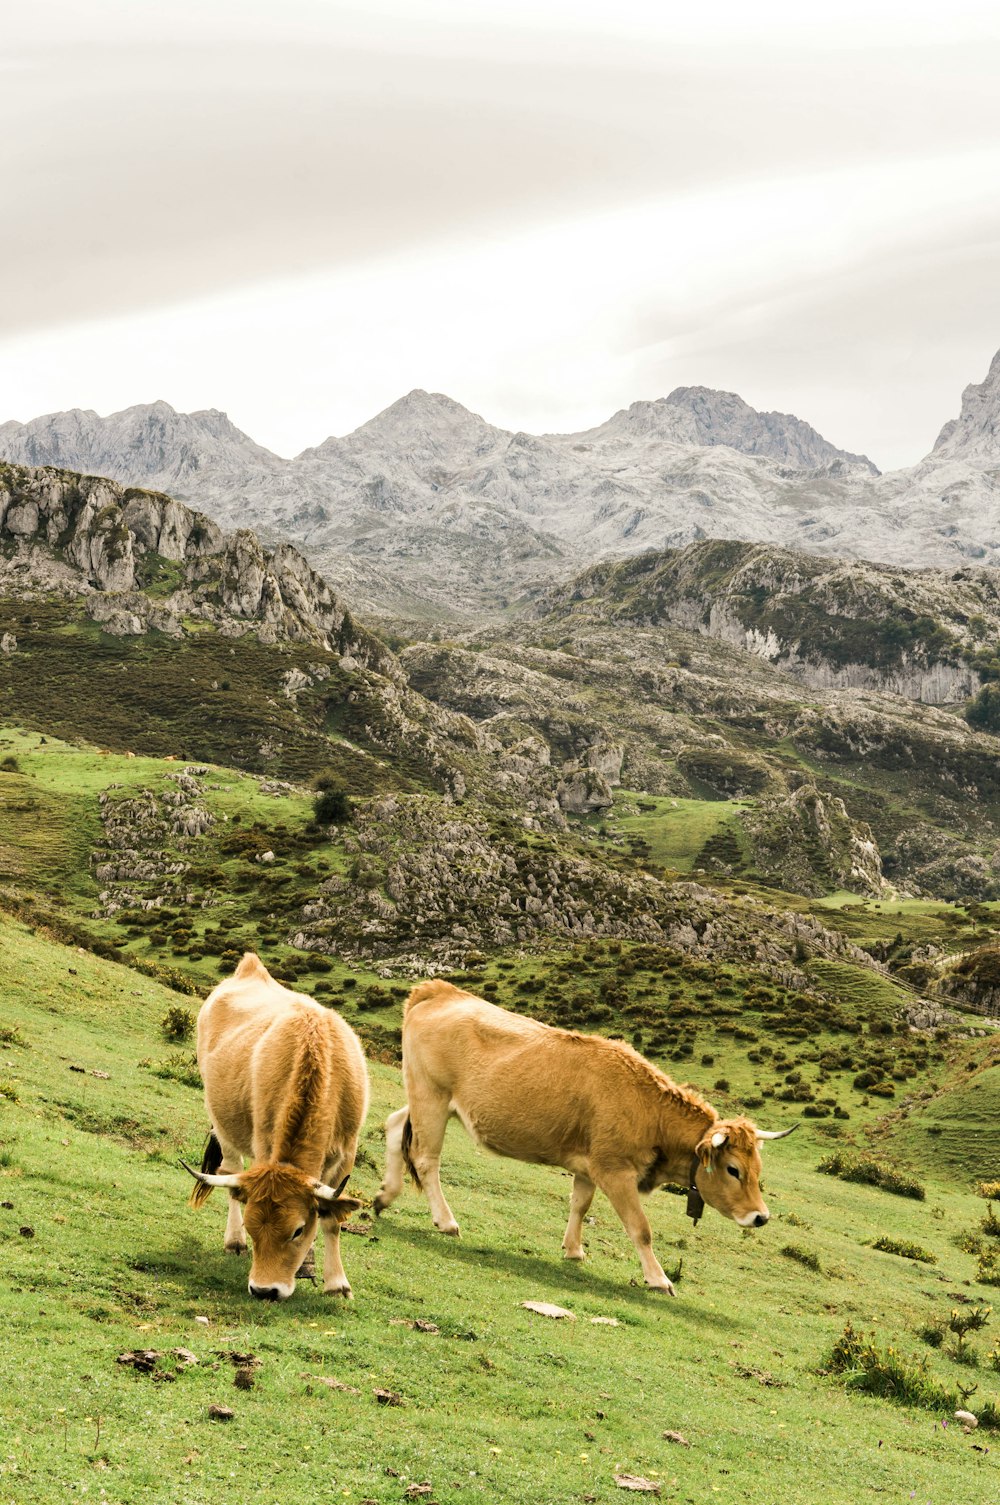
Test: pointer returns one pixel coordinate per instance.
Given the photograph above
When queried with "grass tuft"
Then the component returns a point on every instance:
(868, 1171)
(803, 1257)
(904, 1248)
(887, 1373)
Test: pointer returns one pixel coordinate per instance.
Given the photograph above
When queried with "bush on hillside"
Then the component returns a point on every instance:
(177, 1024)
(868, 1171)
(904, 1249)
(983, 710)
(332, 804)
(887, 1372)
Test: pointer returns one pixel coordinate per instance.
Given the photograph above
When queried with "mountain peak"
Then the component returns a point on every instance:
(705, 416)
(149, 444)
(419, 407)
(975, 433)
(726, 418)
(419, 427)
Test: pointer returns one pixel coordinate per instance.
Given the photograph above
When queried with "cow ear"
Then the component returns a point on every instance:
(708, 1145)
(340, 1208)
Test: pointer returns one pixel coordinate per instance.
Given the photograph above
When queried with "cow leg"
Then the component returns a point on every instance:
(429, 1119)
(335, 1171)
(579, 1206)
(232, 1164)
(335, 1282)
(622, 1192)
(392, 1181)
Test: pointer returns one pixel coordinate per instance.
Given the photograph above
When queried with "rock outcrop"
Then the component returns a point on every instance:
(833, 624)
(809, 844)
(700, 416)
(114, 547)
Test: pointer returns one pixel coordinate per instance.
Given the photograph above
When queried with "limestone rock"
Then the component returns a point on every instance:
(583, 791)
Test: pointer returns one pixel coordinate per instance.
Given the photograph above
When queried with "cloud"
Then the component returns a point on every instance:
(300, 212)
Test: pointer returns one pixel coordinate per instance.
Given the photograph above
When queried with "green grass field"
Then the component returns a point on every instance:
(667, 831)
(496, 1405)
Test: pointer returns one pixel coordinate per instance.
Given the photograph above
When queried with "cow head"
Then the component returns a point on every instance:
(282, 1207)
(728, 1169)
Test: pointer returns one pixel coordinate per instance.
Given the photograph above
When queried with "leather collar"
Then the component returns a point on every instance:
(695, 1201)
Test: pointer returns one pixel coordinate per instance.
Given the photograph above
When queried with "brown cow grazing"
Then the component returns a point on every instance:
(553, 1097)
(285, 1084)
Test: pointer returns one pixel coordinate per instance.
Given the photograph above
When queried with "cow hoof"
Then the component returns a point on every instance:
(451, 1229)
(667, 1287)
(236, 1249)
(577, 1254)
(344, 1291)
(380, 1204)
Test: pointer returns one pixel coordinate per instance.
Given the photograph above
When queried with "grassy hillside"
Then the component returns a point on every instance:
(831, 1046)
(197, 697)
(497, 1404)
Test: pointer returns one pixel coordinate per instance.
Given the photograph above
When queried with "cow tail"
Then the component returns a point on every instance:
(406, 1147)
(210, 1162)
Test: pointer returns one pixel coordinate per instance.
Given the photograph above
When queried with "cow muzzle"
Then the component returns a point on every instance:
(754, 1219)
(269, 1293)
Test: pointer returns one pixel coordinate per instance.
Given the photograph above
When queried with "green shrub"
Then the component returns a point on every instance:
(887, 1373)
(963, 1321)
(983, 710)
(988, 1189)
(177, 1067)
(988, 1269)
(803, 1257)
(991, 1223)
(9, 765)
(332, 806)
(867, 1171)
(177, 1024)
(905, 1249)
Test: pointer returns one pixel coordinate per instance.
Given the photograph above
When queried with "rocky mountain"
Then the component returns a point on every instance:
(700, 416)
(141, 561)
(975, 433)
(147, 445)
(929, 635)
(429, 511)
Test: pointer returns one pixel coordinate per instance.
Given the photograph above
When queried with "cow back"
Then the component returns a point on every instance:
(281, 1073)
(526, 1090)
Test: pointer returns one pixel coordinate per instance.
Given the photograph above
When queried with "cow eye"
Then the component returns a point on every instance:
(733, 1171)
(299, 1231)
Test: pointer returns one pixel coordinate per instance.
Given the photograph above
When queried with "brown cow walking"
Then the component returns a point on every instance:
(285, 1084)
(552, 1097)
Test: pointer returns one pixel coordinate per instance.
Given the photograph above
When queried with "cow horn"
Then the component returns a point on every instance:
(718, 1139)
(775, 1133)
(231, 1181)
(329, 1193)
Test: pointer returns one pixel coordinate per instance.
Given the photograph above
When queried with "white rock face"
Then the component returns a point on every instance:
(85, 536)
(700, 416)
(976, 431)
(428, 502)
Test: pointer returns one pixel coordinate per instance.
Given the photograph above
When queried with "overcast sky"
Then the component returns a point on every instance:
(297, 210)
